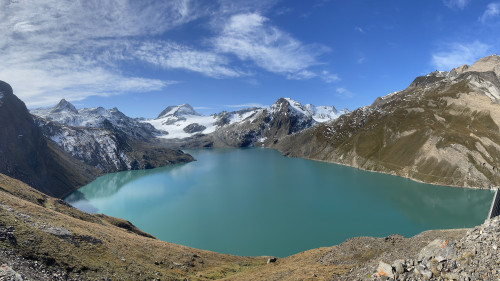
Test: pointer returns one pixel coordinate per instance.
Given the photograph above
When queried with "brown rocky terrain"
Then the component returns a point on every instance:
(443, 129)
(43, 238)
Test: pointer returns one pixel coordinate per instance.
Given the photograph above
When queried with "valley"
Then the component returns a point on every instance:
(442, 130)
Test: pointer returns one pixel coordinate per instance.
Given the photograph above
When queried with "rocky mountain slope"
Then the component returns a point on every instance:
(66, 114)
(106, 139)
(232, 128)
(182, 121)
(43, 238)
(443, 129)
(25, 153)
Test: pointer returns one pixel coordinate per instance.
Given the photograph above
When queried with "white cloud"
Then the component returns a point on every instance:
(359, 29)
(171, 55)
(329, 77)
(251, 37)
(456, 4)
(492, 11)
(246, 105)
(301, 75)
(456, 54)
(343, 92)
(74, 49)
(52, 49)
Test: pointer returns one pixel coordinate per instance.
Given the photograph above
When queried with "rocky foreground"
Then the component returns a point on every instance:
(474, 257)
(42, 238)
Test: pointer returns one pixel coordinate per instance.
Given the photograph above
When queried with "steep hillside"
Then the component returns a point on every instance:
(65, 113)
(43, 238)
(442, 129)
(106, 139)
(25, 154)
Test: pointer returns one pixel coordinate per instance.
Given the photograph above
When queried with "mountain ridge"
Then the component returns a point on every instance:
(443, 129)
(25, 153)
(105, 138)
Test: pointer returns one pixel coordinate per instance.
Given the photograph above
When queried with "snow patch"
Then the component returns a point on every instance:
(174, 126)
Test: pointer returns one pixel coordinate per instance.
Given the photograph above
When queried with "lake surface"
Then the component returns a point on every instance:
(256, 202)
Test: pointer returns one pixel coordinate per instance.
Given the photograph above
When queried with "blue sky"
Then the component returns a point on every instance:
(142, 56)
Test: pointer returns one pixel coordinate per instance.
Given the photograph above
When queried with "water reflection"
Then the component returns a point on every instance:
(231, 199)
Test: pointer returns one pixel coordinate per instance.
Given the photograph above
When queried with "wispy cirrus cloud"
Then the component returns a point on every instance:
(57, 49)
(171, 55)
(492, 11)
(360, 30)
(455, 54)
(54, 49)
(250, 37)
(456, 4)
(343, 92)
(245, 105)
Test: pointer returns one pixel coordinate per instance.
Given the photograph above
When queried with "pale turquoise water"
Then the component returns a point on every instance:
(255, 202)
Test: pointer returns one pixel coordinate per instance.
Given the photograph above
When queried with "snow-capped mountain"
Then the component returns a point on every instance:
(267, 125)
(106, 139)
(318, 113)
(182, 121)
(66, 114)
(178, 111)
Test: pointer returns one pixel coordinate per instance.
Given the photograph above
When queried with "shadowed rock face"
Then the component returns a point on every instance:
(25, 154)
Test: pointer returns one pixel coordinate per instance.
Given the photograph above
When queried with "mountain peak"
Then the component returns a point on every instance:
(64, 105)
(5, 89)
(489, 63)
(178, 110)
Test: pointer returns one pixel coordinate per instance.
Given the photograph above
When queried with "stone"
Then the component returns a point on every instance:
(271, 260)
(427, 274)
(398, 265)
(439, 249)
(385, 269)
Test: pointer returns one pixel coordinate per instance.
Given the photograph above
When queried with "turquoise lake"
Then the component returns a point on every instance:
(255, 202)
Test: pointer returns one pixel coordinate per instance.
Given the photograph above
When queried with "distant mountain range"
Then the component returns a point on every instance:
(443, 129)
(102, 137)
(183, 121)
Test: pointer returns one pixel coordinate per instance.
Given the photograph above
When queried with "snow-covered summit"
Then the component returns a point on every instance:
(96, 117)
(178, 111)
(182, 121)
(318, 113)
(64, 105)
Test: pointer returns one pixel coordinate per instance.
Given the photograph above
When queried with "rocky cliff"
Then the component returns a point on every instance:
(25, 153)
(442, 129)
(106, 139)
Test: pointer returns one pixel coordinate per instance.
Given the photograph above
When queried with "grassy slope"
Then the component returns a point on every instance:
(48, 230)
(438, 133)
(91, 247)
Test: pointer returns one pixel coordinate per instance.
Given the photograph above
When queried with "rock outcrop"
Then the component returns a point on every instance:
(473, 257)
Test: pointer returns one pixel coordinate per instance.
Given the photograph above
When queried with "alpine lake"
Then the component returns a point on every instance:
(255, 202)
